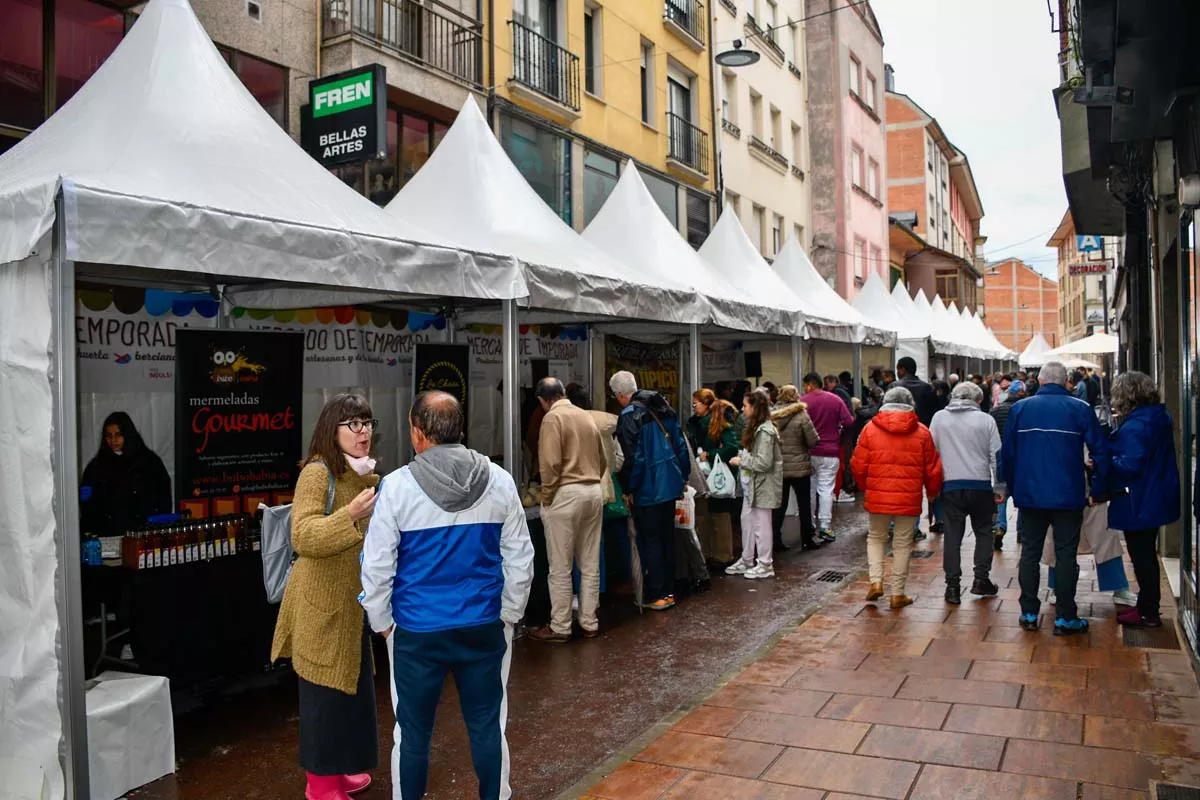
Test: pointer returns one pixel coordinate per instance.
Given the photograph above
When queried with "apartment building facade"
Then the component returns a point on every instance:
(580, 87)
(1085, 270)
(764, 122)
(1020, 302)
(931, 187)
(847, 143)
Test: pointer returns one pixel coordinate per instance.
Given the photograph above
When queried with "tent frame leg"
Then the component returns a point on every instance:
(797, 361)
(509, 342)
(857, 370)
(73, 704)
(696, 365)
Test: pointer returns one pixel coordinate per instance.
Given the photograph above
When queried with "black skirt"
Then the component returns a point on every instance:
(339, 734)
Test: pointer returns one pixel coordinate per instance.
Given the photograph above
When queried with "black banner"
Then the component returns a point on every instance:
(345, 120)
(444, 368)
(237, 414)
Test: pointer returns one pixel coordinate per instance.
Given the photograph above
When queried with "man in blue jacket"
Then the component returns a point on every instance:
(657, 465)
(1043, 464)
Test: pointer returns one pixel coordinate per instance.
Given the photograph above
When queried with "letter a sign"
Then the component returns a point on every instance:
(1089, 244)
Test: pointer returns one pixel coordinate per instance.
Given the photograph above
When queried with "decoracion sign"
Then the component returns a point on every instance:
(656, 366)
(1088, 267)
(348, 347)
(237, 414)
(345, 119)
(444, 368)
(125, 338)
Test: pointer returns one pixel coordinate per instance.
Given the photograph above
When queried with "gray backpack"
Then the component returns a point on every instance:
(277, 553)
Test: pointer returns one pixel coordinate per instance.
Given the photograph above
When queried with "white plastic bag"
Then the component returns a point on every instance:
(720, 480)
(685, 510)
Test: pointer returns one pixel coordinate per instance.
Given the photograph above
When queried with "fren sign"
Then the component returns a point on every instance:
(344, 122)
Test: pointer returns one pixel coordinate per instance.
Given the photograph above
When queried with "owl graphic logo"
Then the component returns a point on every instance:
(232, 366)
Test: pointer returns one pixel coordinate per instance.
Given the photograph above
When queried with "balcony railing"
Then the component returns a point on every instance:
(687, 144)
(766, 149)
(436, 35)
(543, 66)
(731, 129)
(687, 15)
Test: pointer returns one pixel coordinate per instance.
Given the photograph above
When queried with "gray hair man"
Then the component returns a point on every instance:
(572, 462)
(968, 441)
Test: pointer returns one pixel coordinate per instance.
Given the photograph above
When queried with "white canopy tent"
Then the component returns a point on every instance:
(876, 304)
(471, 189)
(631, 228)
(162, 165)
(1098, 344)
(1007, 354)
(944, 333)
(981, 335)
(1034, 354)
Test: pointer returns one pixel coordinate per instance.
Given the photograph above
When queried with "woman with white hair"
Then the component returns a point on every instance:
(895, 462)
(1145, 483)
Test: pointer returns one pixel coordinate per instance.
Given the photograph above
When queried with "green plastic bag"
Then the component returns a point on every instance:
(617, 507)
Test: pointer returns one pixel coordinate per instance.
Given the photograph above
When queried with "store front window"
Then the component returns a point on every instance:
(86, 34)
(267, 82)
(666, 194)
(600, 175)
(543, 158)
(411, 139)
(21, 63)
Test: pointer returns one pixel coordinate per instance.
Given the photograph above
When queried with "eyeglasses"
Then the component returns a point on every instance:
(358, 425)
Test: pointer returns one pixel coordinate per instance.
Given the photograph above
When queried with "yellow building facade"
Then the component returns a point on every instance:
(578, 87)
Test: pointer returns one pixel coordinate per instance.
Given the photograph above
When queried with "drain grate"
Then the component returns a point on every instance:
(1175, 791)
(1163, 638)
(922, 554)
(831, 576)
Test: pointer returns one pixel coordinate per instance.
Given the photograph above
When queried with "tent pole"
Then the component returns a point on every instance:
(697, 361)
(591, 369)
(797, 360)
(66, 512)
(857, 370)
(508, 345)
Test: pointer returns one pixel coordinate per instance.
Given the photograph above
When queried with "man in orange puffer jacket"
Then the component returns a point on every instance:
(894, 461)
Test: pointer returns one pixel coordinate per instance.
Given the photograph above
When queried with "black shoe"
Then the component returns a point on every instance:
(810, 544)
(780, 547)
(701, 586)
(918, 536)
(937, 528)
(953, 595)
(984, 588)
(1029, 622)
(998, 543)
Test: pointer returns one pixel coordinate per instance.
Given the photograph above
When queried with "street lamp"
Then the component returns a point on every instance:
(738, 56)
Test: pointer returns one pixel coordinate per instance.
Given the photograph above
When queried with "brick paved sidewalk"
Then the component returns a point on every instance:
(934, 701)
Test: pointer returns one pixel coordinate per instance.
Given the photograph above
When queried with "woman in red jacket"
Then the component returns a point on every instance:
(894, 461)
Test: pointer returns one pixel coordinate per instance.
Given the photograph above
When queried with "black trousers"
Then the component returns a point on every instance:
(958, 506)
(1033, 524)
(339, 734)
(655, 527)
(803, 488)
(1143, 552)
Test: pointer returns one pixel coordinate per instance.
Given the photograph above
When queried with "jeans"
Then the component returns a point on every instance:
(803, 489)
(1143, 552)
(479, 659)
(1002, 515)
(825, 472)
(656, 544)
(902, 543)
(1033, 525)
(958, 506)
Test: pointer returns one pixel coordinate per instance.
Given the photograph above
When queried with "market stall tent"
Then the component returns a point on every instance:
(162, 161)
(1034, 354)
(470, 189)
(876, 304)
(1098, 344)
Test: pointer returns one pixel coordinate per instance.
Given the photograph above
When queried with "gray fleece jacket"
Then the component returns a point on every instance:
(967, 441)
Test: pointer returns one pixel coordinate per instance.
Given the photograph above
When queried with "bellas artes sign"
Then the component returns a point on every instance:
(344, 121)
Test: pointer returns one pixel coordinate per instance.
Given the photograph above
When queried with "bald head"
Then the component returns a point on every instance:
(436, 418)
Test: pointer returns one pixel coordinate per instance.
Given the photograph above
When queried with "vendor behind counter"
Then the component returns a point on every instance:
(124, 484)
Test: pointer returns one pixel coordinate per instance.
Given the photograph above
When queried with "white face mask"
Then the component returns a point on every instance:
(361, 466)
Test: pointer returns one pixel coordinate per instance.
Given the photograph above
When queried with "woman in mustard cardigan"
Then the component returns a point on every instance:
(321, 625)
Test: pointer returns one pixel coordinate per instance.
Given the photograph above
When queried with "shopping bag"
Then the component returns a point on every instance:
(617, 507)
(277, 553)
(685, 510)
(721, 484)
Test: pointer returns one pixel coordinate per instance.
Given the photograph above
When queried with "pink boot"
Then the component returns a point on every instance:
(325, 787)
(353, 784)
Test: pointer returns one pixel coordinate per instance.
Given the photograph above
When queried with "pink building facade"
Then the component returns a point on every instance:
(848, 143)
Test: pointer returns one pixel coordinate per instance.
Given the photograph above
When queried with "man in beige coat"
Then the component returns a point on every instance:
(572, 461)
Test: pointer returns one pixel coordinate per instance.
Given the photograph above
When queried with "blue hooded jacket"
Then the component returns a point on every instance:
(1042, 456)
(657, 462)
(1144, 471)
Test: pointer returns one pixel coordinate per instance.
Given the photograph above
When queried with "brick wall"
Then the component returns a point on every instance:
(1014, 285)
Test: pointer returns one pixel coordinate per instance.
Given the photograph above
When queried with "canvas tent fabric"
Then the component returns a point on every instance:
(802, 277)
(990, 348)
(729, 250)
(944, 334)
(470, 189)
(631, 228)
(876, 304)
(1034, 354)
(166, 161)
(1097, 344)
(1007, 353)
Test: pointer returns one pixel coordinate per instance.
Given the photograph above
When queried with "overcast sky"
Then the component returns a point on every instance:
(984, 69)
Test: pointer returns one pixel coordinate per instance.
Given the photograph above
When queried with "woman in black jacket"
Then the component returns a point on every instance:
(124, 484)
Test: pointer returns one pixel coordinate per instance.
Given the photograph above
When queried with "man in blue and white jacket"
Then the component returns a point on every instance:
(447, 565)
(1043, 464)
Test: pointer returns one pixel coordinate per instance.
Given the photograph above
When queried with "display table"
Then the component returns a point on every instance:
(131, 733)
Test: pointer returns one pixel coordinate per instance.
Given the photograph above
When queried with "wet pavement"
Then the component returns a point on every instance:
(571, 707)
(932, 701)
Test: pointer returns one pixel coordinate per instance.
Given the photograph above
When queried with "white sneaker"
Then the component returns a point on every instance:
(1052, 599)
(1124, 597)
(738, 567)
(844, 497)
(759, 571)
